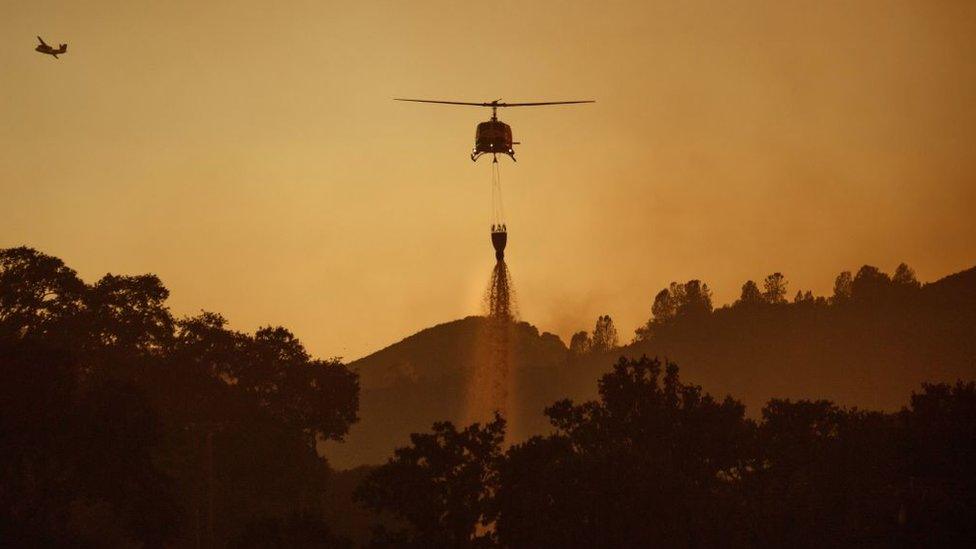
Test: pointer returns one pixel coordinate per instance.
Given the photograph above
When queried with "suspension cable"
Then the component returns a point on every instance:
(497, 205)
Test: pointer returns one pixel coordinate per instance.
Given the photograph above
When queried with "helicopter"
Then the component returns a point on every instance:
(44, 48)
(494, 136)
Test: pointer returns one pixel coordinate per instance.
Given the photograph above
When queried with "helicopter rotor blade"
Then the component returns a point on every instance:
(544, 103)
(496, 103)
(443, 102)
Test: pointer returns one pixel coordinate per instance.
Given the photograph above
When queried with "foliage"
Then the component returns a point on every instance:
(657, 462)
(843, 288)
(37, 292)
(121, 425)
(904, 276)
(125, 426)
(604, 335)
(296, 530)
(774, 288)
(870, 285)
(441, 486)
(940, 498)
(580, 343)
(651, 457)
(79, 462)
(693, 299)
(750, 294)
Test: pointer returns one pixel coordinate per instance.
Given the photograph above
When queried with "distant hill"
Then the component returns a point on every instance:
(424, 378)
(870, 353)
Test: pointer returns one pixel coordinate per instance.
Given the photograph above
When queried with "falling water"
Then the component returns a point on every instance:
(499, 300)
(492, 383)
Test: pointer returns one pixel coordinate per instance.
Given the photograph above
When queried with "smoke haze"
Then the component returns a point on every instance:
(252, 149)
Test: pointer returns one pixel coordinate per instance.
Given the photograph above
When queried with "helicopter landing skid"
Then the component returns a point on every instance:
(476, 155)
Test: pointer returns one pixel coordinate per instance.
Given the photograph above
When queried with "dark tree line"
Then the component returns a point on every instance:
(656, 462)
(869, 343)
(691, 301)
(603, 340)
(122, 425)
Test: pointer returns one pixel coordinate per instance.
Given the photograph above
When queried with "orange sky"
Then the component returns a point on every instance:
(252, 157)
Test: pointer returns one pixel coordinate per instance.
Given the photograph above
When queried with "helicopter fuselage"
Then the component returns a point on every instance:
(493, 137)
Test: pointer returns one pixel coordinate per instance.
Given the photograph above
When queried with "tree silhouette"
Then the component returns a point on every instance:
(441, 485)
(650, 457)
(843, 288)
(665, 304)
(663, 310)
(37, 292)
(694, 299)
(127, 427)
(296, 530)
(823, 475)
(691, 299)
(129, 312)
(774, 288)
(604, 335)
(803, 297)
(580, 344)
(750, 294)
(870, 285)
(904, 277)
(79, 460)
(940, 495)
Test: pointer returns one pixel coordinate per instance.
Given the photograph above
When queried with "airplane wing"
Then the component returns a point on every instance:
(43, 43)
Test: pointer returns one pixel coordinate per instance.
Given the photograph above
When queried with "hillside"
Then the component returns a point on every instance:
(424, 378)
(870, 353)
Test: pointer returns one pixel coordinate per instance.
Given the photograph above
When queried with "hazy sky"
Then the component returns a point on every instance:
(252, 158)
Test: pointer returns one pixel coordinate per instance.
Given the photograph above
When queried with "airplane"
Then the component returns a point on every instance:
(44, 48)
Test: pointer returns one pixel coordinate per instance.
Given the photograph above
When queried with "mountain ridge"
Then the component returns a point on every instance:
(792, 350)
